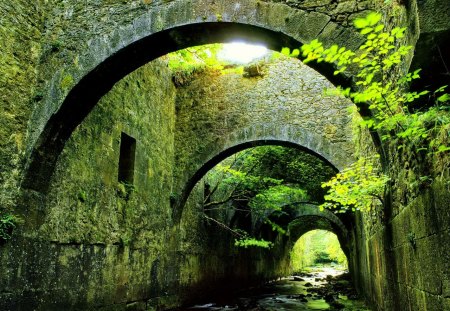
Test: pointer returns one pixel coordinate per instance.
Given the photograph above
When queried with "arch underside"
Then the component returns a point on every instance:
(309, 217)
(307, 142)
(156, 32)
(300, 218)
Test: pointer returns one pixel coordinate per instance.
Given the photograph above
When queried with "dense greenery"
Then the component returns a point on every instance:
(7, 223)
(190, 61)
(317, 247)
(381, 87)
(355, 187)
(259, 182)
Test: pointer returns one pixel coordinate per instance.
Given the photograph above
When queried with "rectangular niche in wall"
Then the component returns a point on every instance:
(126, 158)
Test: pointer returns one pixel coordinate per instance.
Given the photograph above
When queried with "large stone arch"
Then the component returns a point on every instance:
(260, 135)
(218, 115)
(307, 217)
(304, 217)
(318, 220)
(299, 218)
(297, 211)
(150, 31)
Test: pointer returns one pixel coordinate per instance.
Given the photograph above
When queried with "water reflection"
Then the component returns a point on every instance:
(324, 289)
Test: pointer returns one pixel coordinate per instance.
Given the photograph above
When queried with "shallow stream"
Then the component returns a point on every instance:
(321, 289)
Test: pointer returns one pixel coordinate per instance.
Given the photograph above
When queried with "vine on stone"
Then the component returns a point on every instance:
(385, 92)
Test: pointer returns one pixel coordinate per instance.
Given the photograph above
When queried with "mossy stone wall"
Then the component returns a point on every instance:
(92, 242)
(85, 244)
(285, 102)
(21, 28)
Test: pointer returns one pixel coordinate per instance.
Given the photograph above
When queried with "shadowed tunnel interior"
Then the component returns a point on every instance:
(109, 164)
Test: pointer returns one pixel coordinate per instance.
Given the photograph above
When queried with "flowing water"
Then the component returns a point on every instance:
(324, 289)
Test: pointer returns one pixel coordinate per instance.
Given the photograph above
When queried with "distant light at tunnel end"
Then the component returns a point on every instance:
(241, 52)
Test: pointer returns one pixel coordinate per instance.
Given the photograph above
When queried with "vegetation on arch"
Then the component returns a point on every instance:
(8, 222)
(317, 247)
(404, 124)
(258, 183)
(187, 63)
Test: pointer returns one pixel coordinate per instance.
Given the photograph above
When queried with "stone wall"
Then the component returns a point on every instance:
(21, 29)
(92, 241)
(87, 47)
(283, 103)
(400, 256)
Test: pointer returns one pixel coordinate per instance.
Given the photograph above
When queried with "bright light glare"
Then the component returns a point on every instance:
(240, 52)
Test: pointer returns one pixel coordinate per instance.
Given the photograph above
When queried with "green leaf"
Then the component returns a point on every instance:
(295, 53)
(286, 51)
(443, 98)
(441, 89)
(373, 18)
(443, 148)
(361, 23)
(366, 30)
(379, 28)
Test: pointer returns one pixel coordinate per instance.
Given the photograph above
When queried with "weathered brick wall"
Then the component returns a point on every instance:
(21, 29)
(286, 103)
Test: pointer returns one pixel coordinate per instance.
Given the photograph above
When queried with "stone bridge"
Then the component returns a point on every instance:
(82, 79)
(78, 73)
(219, 115)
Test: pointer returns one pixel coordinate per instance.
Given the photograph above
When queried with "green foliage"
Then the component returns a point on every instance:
(246, 242)
(196, 57)
(260, 181)
(355, 187)
(187, 62)
(317, 247)
(384, 91)
(273, 198)
(82, 196)
(67, 82)
(7, 223)
(295, 168)
(275, 227)
(376, 63)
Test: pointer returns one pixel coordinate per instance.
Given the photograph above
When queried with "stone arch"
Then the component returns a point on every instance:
(297, 211)
(259, 135)
(304, 217)
(304, 224)
(76, 88)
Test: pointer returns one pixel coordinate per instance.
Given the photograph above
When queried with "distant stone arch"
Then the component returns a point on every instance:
(301, 218)
(149, 32)
(259, 135)
(296, 211)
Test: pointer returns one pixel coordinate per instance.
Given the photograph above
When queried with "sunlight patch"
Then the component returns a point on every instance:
(242, 53)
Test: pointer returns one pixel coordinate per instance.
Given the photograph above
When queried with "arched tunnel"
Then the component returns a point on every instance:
(105, 154)
(228, 214)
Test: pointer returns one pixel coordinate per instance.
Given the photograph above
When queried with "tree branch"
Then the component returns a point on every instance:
(222, 225)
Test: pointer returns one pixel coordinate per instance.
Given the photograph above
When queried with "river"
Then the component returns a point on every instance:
(319, 289)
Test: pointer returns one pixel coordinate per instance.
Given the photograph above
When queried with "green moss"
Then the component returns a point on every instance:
(8, 222)
(82, 196)
(67, 82)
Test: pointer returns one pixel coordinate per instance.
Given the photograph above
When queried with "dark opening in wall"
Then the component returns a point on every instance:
(126, 158)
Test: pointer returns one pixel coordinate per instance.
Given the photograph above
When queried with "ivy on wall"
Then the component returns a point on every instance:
(394, 112)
